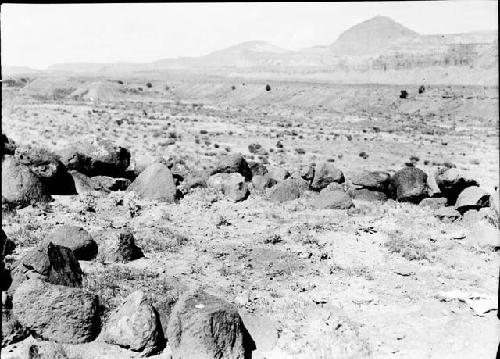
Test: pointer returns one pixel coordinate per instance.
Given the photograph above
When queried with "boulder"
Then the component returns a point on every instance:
(452, 182)
(409, 185)
(155, 183)
(374, 181)
(20, 186)
(495, 202)
(84, 184)
(96, 157)
(48, 168)
(126, 250)
(12, 330)
(278, 174)
(288, 190)
(434, 202)
(54, 263)
(233, 185)
(307, 173)
(77, 239)
(367, 195)
(135, 325)
(447, 214)
(8, 146)
(334, 186)
(325, 174)
(472, 197)
(6, 247)
(55, 312)
(327, 199)
(193, 180)
(141, 162)
(233, 163)
(262, 182)
(203, 326)
(257, 168)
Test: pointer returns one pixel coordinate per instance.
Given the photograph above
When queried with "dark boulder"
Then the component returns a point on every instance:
(203, 326)
(262, 182)
(7, 246)
(126, 250)
(55, 264)
(367, 195)
(96, 157)
(328, 199)
(233, 163)
(288, 190)
(452, 182)
(12, 330)
(257, 168)
(374, 181)
(20, 186)
(84, 184)
(77, 239)
(48, 168)
(8, 146)
(55, 312)
(409, 185)
(472, 197)
(325, 174)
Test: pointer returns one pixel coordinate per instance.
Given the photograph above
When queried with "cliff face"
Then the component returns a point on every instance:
(450, 55)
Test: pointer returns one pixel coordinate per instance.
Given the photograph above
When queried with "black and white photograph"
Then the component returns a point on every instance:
(225, 180)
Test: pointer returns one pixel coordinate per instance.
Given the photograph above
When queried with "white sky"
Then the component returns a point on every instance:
(41, 35)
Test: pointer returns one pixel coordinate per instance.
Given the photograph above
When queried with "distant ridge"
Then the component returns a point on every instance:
(379, 43)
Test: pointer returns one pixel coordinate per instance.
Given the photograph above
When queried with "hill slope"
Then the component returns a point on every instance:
(372, 36)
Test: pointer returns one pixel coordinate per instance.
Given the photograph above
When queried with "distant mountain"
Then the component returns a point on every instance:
(17, 70)
(246, 54)
(89, 67)
(379, 43)
(372, 37)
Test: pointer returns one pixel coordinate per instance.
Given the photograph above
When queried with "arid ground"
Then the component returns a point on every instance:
(381, 279)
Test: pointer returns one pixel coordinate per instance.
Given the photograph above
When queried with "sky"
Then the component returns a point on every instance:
(41, 35)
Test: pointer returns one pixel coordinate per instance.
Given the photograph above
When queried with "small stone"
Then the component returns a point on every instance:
(127, 250)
